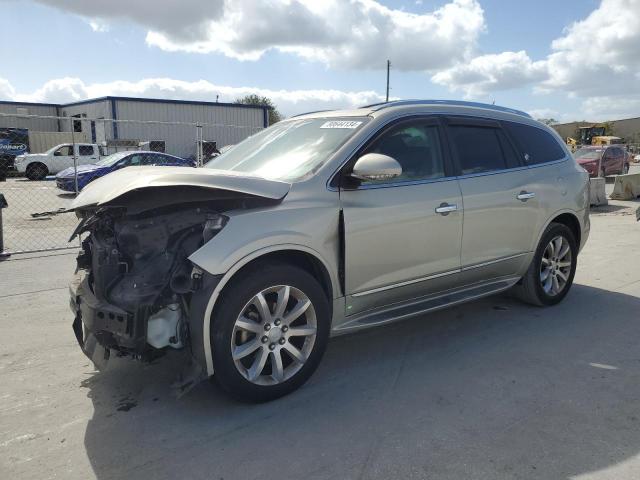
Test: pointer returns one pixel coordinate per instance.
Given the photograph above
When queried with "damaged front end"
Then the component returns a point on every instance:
(134, 282)
(134, 285)
(136, 293)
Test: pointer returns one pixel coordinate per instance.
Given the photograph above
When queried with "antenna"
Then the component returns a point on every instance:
(388, 68)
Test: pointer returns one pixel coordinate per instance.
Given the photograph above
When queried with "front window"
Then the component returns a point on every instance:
(289, 150)
(64, 151)
(588, 153)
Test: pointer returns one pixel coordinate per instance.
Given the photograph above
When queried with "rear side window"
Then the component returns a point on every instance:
(480, 149)
(85, 150)
(536, 145)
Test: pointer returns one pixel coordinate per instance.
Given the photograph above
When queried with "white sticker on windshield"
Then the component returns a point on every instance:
(340, 124)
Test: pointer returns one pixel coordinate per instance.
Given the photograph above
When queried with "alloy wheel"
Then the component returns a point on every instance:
(555, 267)
(274, 334)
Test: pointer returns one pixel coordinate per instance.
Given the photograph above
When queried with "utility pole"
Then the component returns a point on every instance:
(388, 68)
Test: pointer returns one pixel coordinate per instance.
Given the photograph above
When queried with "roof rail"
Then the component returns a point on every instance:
(395, 103)
(314, 111)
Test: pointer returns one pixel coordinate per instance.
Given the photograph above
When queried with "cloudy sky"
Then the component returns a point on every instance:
(567, 59)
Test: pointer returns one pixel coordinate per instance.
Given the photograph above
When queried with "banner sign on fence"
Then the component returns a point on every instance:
(14, 141)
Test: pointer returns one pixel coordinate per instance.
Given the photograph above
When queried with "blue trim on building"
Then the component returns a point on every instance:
(161, 100)
(114, 116)
(265, 117)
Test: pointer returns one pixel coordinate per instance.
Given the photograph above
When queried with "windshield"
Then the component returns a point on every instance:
(588, 153)
(289, 150)
(112, 159)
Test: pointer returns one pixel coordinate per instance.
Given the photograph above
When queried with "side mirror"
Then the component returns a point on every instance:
(57, 153)
(376, 166)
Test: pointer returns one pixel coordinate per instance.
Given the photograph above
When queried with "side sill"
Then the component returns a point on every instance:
(418, 306)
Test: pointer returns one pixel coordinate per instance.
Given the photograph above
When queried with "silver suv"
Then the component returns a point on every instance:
(323, 224)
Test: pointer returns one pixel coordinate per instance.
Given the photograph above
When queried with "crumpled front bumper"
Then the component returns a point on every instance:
(101, 327)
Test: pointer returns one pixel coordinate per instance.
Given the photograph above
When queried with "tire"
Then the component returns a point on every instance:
(37, 171)
(532, 288)
(245, 377)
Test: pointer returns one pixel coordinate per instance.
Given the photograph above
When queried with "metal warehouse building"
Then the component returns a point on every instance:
(118, 120)
(627, 128)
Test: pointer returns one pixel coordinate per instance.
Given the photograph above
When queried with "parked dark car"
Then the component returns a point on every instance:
(87, 173)
(600, 161)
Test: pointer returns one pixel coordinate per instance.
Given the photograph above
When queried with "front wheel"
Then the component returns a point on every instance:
(552, 269)
(37, 171)
(269, 332)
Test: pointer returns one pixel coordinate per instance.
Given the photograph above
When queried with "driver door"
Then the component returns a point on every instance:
(402, 236)
(62, 158)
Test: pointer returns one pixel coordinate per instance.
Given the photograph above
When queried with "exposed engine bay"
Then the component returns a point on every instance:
(135, 287)
(139, 265)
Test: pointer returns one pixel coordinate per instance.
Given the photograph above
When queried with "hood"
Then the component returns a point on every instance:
(120, 182)
(69, 172)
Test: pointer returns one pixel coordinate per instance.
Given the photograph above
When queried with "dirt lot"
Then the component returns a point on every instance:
(22, 231)
(492, 389)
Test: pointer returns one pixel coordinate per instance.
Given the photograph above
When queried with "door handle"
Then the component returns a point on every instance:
(445, 208)
(524, 196)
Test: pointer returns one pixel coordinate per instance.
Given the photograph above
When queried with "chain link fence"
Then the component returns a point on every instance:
(41, 172)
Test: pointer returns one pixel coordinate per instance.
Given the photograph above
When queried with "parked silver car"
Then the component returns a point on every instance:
(323, 224)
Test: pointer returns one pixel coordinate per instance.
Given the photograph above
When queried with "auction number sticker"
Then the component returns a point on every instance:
(340, 124)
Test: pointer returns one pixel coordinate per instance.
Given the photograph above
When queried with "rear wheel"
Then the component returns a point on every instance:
(552, 269)
(269, 332)
(37, 171)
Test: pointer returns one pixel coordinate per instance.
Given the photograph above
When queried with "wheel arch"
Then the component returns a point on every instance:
(571, 221)
(298, 255)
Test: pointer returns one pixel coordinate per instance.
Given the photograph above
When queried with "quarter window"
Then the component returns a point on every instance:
(416, 147)
(536, 145)
(85, 150)
(480, 149)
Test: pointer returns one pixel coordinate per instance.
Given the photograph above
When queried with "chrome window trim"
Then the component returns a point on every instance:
(426, 181)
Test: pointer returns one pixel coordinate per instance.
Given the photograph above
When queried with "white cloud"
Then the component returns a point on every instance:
(289, 102)
(98, 26)
(347, 34)
(489, 73)
(601, 108)
(600, 53)
(596, 61)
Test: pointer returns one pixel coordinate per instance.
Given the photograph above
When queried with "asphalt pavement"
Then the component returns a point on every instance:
(491, 389)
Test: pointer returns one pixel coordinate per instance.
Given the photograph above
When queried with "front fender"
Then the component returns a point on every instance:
(248, 236)
(312, 229)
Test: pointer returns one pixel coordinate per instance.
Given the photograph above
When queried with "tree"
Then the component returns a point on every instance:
(274, 115)
(548, 121)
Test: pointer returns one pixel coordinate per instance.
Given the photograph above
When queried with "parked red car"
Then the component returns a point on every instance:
(603, 160)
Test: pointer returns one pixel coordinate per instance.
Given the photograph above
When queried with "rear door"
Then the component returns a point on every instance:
(402, 236)
(501, 204)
